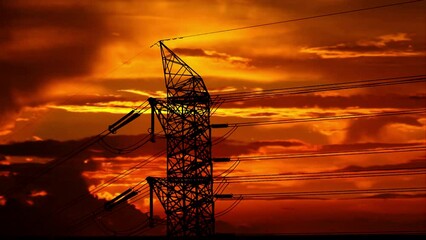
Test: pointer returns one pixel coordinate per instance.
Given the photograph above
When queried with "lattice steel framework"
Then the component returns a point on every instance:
(187, 192)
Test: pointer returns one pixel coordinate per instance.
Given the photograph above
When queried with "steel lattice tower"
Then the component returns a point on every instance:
(187, 192)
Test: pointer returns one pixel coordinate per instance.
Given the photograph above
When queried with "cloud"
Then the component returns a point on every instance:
(391, 45)
(43, 148)
(197, 52)
(415, 163)
(395, 195)
(370, 129)
(157, 94)
(42, 44)
(32, 210)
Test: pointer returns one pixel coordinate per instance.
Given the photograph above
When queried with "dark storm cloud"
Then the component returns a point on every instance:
(48, 148)
(42, 43)
(25, 214)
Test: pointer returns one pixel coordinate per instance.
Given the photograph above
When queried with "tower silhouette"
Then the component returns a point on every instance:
(187, 191)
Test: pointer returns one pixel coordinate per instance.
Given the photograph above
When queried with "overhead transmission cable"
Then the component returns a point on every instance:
(237, 198)
(325, 175)
(329, 153)
(277, 92)
(290, 20)
(285, 195)
(312, 119)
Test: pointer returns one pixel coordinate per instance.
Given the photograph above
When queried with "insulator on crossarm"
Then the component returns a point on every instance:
(224, 196)
(125, 122)
(129, 193)
(219, 125)
(111, 127)
(221, 159)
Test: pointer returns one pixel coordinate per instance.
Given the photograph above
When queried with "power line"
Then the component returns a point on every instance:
(324, 175)
(237, 198)
(290, 20)
(329, 154)
(284, 195)
(338, 117)
(270, 93)
(407, 233)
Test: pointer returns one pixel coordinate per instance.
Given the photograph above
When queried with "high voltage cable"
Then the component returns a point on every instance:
(363, 81)
(230, 208)
(328, 154)
(290, 20)
(245, 96)
(283, 195)
(327, 118)
(297, 174)
(254, 96)
(324, 175)
(128, 149)
(369, 233)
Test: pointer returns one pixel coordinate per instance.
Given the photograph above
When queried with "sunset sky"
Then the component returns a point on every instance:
(68, 69)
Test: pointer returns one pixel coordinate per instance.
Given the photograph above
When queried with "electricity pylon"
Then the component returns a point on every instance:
(187, 192)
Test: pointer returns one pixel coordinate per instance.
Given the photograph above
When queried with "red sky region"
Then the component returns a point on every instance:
(70, 68)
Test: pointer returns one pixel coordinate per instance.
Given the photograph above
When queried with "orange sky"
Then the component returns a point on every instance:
(70, 68)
